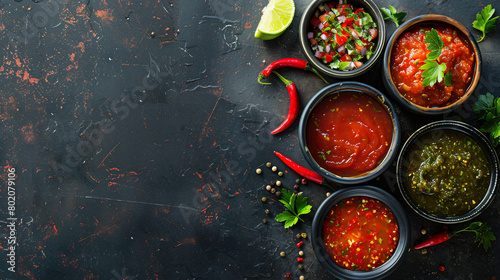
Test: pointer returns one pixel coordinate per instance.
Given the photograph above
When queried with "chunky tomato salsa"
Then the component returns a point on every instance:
(360, 233)
(408, 55)
(348, 133)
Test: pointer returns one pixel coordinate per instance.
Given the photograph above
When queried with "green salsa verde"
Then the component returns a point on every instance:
(447, 173)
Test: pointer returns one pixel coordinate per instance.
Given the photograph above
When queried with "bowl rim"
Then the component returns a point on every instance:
(373, 10)
(362, 191)
(375, 94)
(387, 77)
(480, 139)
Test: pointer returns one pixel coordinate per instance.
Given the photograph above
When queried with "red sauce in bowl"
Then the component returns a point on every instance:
(360, 233)
(408, 55)
(349, 133)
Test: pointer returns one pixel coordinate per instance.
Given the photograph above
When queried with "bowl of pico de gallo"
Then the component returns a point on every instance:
(342, 39)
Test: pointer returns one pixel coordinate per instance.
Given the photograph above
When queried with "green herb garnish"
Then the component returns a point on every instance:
(487, 107)
(484, 22)
(483, 232)
(393, 15)
(434, 72)
(296, 205)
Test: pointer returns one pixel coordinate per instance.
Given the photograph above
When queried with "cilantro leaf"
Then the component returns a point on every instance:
(393, 15)
(484, 22)
(434, 72)
(296, 205)
(487, 107)
(436, 44)
(287, 217)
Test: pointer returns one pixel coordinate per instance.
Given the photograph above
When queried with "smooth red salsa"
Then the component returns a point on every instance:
(409, 54)
(360, 233)
(348, 133)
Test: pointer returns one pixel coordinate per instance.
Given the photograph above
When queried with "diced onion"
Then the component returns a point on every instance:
(310, 35)
(317, 54)
(320, 26)
(341, 49)
(341, 18)
(362, 52)
(324, 37)
(328, 48)
(320, 48)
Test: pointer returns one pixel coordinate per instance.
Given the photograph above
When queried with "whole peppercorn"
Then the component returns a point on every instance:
(298, 235)
(268, 187)
(296, 187)
(278, 194)
(269, 164)
(264, 199)
(300, 260)
(273, 190)
(423, 231)
(264, 221)
(288, 275)
(441, 268)
(272, 182)
(301, 267)
(303, 235)
(423, 251)
(301, 253)
(274, 168)
(328, 194)
(267, 212)
(304, 181)
(258, 171)
(297, 181)
(152, 34)
(302, 277)
(282, 254)
(278, 183)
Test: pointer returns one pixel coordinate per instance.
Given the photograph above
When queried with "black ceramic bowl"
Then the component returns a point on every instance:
(305, 26)
(429, 20)
(361, 89)
(465, 129)
(365, 191)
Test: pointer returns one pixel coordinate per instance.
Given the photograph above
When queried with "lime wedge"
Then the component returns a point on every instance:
(276, 17)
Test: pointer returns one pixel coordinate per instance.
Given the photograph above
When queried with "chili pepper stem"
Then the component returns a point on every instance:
(285, 81)
(309, 68)
(261, 77)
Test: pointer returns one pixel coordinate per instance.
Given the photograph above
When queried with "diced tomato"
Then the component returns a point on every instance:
(353, 32)
(320, 55)
(315, 21)
(346, 33)
(373, 32)
(340, 39)
(322, 19)
(359, 10)
(346, 58)
(359, 47)
(349, 20)
(358, 64)
(343, 25)
(313, 41)
(458, 52)
(328, 58)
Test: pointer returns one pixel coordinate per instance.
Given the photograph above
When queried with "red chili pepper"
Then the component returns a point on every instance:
(300, 244)
(304, 172)
(300, 259)
(287, 62)
(293, 110)
(433, 240)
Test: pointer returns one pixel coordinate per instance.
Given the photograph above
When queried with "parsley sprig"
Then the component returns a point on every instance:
(487, 107)
(483, 232)
(393, 15)
(434, 71)
(484, 22)
(296, 205)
